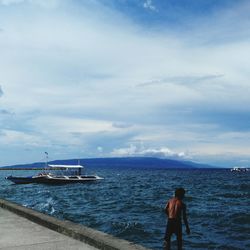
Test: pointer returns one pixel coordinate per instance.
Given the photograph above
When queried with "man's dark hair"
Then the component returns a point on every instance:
(179, 193)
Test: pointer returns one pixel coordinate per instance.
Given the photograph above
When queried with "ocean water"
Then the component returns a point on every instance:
(129, 204)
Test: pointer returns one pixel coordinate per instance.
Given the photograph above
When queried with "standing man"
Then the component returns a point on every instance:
(175, 209)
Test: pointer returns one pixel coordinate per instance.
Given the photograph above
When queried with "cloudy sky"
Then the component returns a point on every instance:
(105, 78)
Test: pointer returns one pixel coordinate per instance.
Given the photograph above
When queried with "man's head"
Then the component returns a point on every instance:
(180, 193)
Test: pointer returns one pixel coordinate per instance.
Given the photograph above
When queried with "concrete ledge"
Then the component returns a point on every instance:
(90, 236)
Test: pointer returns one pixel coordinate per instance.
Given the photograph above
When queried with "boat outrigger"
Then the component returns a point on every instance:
(57, 174)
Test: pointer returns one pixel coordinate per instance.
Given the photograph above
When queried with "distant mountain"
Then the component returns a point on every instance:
(121, 162)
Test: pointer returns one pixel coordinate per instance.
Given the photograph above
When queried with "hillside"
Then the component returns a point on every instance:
(123, 162)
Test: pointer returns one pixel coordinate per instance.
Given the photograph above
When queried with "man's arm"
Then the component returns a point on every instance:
(185, 218)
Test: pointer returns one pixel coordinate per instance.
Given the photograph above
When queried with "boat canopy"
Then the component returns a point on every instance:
(65, 166)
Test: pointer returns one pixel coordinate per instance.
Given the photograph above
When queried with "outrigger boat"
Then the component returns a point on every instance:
(64, 174)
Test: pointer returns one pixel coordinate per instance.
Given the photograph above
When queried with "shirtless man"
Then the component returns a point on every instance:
(175, 209)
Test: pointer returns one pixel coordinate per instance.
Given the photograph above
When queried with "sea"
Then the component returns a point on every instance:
(129, 204)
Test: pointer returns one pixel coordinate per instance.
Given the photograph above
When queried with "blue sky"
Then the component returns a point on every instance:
(165, 78)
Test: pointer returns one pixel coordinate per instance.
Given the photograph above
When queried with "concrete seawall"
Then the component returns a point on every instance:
(90, 236)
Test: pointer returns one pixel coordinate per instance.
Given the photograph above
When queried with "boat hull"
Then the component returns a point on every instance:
(67, 180)
(53, 180)
(23, 180)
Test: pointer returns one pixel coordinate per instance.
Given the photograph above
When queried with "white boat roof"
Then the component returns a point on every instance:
(65, 166)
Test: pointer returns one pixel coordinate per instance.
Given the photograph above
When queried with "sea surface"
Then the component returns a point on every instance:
(129, 203)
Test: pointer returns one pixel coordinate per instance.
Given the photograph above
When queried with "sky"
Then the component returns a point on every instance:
(113, 78)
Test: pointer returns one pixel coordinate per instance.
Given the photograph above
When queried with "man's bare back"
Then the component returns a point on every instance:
(173, 208)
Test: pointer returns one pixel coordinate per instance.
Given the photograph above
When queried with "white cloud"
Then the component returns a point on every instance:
(100, 149)
(134, 150)
(18, 138)
(63, 124)
(148, 4)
